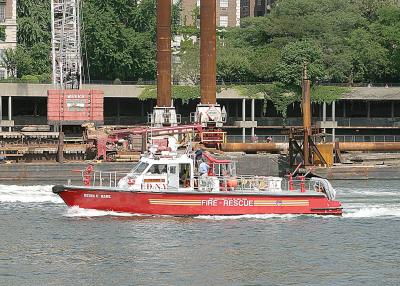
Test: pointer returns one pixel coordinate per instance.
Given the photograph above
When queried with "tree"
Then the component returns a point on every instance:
(264, 63)
(8, 60)
(233, 64)
(294, 56)
(370, 58)
(188, 70)
(2, 33)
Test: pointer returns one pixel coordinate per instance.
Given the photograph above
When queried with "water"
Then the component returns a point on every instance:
(45, 243)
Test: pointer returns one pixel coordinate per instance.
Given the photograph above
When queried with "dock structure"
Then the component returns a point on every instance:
(372, 111)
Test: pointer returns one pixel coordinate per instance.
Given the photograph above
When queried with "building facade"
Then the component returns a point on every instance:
(255, 8)
(8, 30)
(228, 13)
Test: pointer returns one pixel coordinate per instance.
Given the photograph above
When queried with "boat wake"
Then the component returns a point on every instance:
(28, 194)
(371, 212)
(249, 217)
(79, 212)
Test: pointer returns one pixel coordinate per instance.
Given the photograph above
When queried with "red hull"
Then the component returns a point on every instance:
(191, 204)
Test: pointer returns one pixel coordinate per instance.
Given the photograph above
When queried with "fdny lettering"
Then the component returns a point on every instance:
(97, 196)
(156, 186)
(227, 202)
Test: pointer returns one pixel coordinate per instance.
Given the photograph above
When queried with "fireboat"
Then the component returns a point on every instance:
(168, 183)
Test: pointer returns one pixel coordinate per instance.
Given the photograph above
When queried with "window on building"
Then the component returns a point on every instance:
(2, 12)
(198, 3)
(223, 21)
(223, 3)
(2, 74)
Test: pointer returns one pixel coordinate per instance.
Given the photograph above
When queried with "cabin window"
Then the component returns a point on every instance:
(157, 169)
(184, 175)
(172, 170)
(139, 168)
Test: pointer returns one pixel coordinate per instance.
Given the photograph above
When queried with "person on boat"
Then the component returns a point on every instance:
(184, 177)
(203, 168)
(319, 188)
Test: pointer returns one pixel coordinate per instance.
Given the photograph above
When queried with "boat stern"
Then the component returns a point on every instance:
(328, 208)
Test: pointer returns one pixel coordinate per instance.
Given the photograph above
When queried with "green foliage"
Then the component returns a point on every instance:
(280, 95)
(34, 22)
(234, 64)
(328, 93)
(342, 41)
(149, 92)
(30, 79)
(32, 55)
(294, 56)
(183, 92)
(188, 71)
(9, 61)
(118, 38)
(2, 33)
(264, 63)
(283, 95)
(188, 31)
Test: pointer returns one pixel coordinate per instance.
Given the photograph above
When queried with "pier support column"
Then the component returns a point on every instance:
(333, 121)
(252, 116)
(1, 112)
(344, 109)
(118, 111)
(392, 111)
(9, 111)
(236, 108)
(324, 115)
(60, 151)
(244, 120)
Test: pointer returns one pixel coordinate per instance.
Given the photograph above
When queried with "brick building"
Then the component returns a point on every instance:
(8, 25)
(228, 12)
(255, 8)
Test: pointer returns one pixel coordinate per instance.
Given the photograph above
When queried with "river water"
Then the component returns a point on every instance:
(45, 243)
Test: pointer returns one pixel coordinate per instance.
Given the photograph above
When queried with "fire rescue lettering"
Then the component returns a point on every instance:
(228, 203)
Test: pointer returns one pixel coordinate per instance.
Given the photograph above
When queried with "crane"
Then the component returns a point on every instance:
(66, 43)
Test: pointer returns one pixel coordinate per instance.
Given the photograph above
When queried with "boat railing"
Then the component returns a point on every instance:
(100, 178)
(256, 183)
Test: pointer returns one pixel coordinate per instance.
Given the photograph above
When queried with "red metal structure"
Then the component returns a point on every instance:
(75, 107)
(163, 53)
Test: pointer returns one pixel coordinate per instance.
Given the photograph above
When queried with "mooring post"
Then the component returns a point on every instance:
(60, 153)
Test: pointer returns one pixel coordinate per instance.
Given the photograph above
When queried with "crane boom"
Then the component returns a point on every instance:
(66, 43)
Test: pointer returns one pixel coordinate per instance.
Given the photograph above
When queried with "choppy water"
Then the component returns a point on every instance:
(45, 243)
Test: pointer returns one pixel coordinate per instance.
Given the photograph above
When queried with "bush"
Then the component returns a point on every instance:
(30, 79)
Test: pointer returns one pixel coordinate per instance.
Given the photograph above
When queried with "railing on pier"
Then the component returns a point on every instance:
(328, 138)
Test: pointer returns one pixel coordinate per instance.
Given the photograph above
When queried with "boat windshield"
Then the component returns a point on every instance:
(139, 168)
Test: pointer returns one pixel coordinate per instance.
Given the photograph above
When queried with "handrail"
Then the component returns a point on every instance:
(206, 183)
